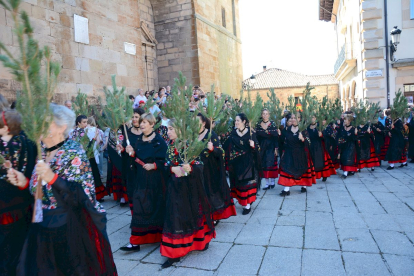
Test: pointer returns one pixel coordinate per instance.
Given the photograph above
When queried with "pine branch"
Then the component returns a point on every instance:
(399, 107)
(81, 104)
(214, 108)
(274, 107)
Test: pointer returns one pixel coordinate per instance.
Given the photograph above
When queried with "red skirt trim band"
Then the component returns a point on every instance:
(244, 197)
(146, 239)
(371, 162)
(307, 179)
(272, 172)
(384, 148)
(349, 168)
(226, 213)
(101, 192)
(328, 168)
(177, 248)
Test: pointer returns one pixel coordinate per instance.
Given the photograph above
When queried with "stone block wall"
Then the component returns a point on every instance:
(332, 91)
(84, 66)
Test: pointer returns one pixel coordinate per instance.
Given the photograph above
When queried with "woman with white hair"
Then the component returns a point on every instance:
(71, 239)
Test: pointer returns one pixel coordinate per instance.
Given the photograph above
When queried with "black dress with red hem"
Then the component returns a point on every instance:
(244, 166)
(347, 142)
(148, 194)
(269, 141)
(396, 150)
(367, 157)
(296, 167)
(215, 180)
(321, 160)
(330, 135)
(188, 224)
(15, 203)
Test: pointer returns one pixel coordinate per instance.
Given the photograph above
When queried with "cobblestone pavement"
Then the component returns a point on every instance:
(363, 225)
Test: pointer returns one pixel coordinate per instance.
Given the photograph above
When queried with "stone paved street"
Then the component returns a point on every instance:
(363, 225)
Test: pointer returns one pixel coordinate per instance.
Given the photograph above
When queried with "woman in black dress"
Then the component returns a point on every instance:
(330, 134)
(396, 150)
(243, 155)
(69, 237)
(147, 156)
(411, 137)
(15, 203)
(296, 168)
(188, 224)
(322, 162)
(347, 142)
(367, 157)
(215, 181)
(268, 137)
(128, 171)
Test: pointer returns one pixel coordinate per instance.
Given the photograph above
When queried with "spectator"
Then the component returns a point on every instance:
(154, 109)
(139, 98)
(132, 98)
(68, 104)
(161, 97)
(168, 92)
(283, 121)
(147, 94)
(141, 104)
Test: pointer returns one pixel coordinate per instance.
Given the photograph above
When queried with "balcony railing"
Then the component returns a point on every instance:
(345, 62)
(340, 60)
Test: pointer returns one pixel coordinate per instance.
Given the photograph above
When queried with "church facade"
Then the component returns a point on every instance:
(145, 43)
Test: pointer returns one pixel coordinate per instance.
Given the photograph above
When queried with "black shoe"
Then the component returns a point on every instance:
(303, 190)
(170, 262)
(390, 168)
(351, 173)
(266, 188)
(206, 247)
(246, 211)
(216, 222)
(359, 170)
(412, 161)
(372, 169)
(272, 186)
(344, 176)
(101, 200)
(284, 193)
(130, 249)
(123, 204)
(403, 165)
(324, 179)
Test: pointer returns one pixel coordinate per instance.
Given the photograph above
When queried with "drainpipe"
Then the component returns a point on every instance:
(387, 56)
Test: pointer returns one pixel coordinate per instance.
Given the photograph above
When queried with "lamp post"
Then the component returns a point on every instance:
(252, 80)
(395, 40)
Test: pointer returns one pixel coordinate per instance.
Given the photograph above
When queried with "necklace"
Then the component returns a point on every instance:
(265, 121)
(202, 131)
(146, 136)
(55, 147)
(241, 131)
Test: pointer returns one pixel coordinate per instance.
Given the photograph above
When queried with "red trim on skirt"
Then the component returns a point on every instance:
(244, 197)
(145, 239)
(349, 168)
(228, 212)
(270, 172)
(101, 192)
(118, 187)
(177, 248)
(337, 165)
(372, 161)
(384, 148)
(328, 166)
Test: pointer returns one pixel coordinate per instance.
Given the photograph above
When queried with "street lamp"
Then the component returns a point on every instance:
(395, 40)
(253, 79)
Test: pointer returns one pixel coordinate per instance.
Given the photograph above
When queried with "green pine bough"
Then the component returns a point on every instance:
(252, 110)
(399, 106)
(34, 69)
(117, 111)
(214, 109)
(186, 124)
(274, 107)
(81, 104)
(308, 108)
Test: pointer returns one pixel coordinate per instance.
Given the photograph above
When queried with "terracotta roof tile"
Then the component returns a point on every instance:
(278, 78)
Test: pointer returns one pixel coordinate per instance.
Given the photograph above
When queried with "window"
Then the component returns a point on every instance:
(234, 18)
(223, 17)
(409, 92)
(408, 88)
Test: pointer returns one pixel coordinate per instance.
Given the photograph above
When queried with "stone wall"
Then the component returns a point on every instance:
(177, 41)
(332, 91)
(85, 67)
(219, 46)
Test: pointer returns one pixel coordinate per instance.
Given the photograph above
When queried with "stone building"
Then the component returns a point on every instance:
(287, 83)
(365, 67)
(145, 43)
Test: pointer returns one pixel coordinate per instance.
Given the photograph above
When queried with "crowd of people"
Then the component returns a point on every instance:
(172, 203)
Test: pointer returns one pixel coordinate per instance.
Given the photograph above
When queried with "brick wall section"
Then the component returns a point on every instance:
(146, 14)
(177, 41)
(219, 50)
(332, 91)
(85, 67)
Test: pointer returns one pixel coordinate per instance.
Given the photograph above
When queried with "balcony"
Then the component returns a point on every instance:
(345, 62)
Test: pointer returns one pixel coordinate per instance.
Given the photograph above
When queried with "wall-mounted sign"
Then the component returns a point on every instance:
(130, 48)
(373, 73)
(81, 29)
